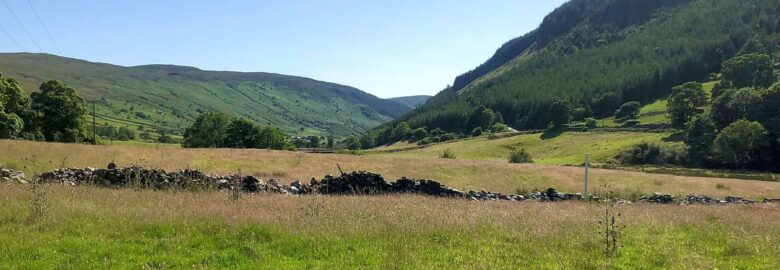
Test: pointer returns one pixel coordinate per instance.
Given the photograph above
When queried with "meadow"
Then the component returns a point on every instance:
(88, 228)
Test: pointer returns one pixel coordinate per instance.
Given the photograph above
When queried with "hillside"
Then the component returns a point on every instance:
(165, 98)
(411, 101)
(597, 54)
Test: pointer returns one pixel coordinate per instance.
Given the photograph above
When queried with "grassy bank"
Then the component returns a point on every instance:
(106, 228)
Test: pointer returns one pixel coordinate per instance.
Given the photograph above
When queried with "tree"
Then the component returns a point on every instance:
(242, 133)
(353, 143)
(10, 124)
(401, 131)
(629, 110)
(605, 104)
(331, 141)
(208, 130)
(560, 113)
(685, 102)
(273, 138)
(314, 141)
(419, 134)
(753, 69)
(61, 111)
(699, 135)
(740, 143)
(733, 105)
(482, 117)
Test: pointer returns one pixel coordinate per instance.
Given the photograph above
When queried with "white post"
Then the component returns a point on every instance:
(587, 164)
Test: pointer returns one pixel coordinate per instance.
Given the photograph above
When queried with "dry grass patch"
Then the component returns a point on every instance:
(498, 176)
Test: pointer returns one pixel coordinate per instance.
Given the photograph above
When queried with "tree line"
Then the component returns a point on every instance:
(218, 130)
(54, 113)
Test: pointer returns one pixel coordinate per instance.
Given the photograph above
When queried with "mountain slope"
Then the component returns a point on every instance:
(411, 101)
(167, 98)
(596, 54)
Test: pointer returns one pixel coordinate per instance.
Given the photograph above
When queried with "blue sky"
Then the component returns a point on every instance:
(387, 48)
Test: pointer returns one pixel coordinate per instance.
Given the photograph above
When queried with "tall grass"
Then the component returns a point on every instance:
(169, 229)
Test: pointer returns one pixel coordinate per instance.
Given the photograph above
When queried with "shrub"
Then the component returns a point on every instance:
(498, 127)
(740, 143)
(448, 154)
(520, 156)
(424, 141)
(628, 110)
(476, 132)
(591, 122)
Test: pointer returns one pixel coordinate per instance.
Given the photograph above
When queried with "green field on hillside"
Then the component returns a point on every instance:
(165, 99)
(568, 148)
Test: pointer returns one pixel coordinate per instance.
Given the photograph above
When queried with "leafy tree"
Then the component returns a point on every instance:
(560, 113)
(401, 131)
(10, 124)
(61, 111)
(331, 141)
(125, 134)
(736, 104)
(419, 134)
(482, 117)
(273, 138)
(314, 141)
(753, 69)
(740, 143)
(699, 136)
(685, 102)
(629, 110)
(605, 104)
(208, 130)
(353, 143)
(242, 133)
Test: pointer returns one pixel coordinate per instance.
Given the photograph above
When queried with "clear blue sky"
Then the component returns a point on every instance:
(387, 48)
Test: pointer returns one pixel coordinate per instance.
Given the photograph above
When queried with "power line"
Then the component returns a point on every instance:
(11, 38)
(22, 25)
(44, 26)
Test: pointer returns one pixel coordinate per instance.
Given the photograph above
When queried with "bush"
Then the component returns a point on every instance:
(424, 141)
(591, 122)
(652, 154)
(520, 156)
(448, 154)
(628, 110)
(476, 132)
(740, 143)
(447, 137)
(498, 127)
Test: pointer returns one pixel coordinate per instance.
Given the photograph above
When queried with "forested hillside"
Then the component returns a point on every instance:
(165, 98)
(591, 56)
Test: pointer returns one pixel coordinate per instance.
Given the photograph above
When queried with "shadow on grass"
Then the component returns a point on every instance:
(552, 133)
(674, 137)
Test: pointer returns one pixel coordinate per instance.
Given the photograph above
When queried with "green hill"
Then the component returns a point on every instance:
(411, 101)
(597, 54)
(167, 98)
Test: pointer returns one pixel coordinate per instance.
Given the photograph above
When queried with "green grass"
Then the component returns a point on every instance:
(147, 229)
(653, 113)
(566, 149)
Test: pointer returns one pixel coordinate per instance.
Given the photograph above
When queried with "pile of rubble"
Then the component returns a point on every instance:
(354, 183)
(7, 175)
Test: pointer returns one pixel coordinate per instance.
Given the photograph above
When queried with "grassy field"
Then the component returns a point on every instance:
(106, 228)
(566, 149)
(465, 174)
